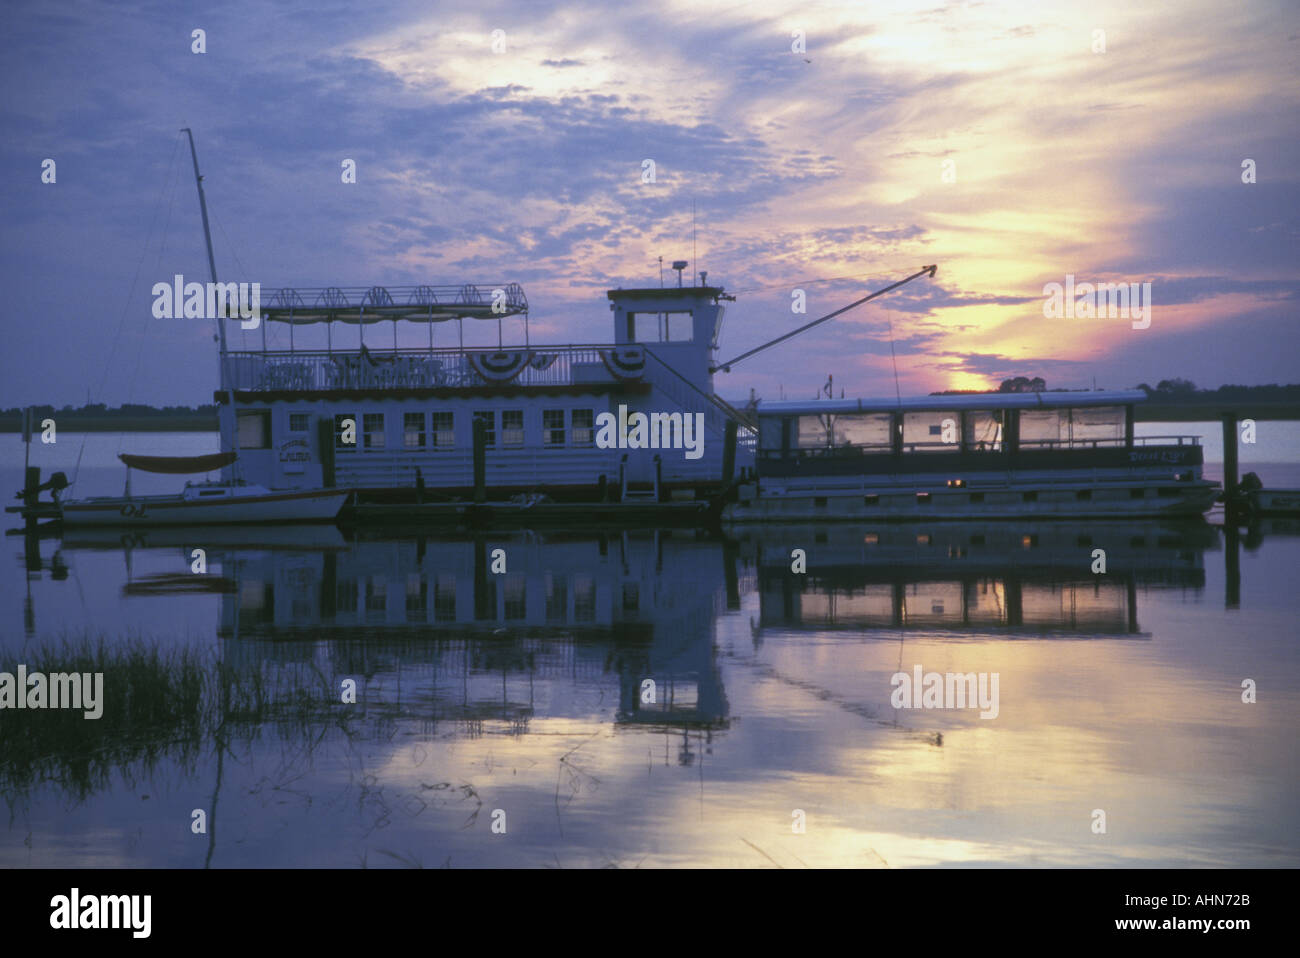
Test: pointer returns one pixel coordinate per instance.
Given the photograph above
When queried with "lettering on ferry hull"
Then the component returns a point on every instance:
(657, 430)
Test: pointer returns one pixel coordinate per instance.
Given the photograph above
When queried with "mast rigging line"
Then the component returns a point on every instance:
(726, 367)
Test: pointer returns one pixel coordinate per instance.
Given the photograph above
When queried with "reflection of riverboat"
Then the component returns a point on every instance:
(993, 455)
(570, 614)
(1004, 578)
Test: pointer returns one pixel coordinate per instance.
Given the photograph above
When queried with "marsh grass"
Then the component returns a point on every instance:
(159, 705)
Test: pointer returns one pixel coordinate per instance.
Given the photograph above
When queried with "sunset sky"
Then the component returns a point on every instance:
(821, 170)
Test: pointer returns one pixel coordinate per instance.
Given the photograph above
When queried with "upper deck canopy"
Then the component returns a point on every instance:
(1043, 400)
(374, 304)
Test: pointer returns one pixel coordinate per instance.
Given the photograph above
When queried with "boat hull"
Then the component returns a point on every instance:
(276, 507)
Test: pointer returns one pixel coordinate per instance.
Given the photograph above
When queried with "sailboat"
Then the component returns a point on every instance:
(201, 503)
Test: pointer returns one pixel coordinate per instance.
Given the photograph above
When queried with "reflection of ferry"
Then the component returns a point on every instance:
(986, 578)
(994, 455)
(568, 614)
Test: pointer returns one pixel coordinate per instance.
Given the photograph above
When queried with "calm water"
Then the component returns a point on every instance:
(481, 694)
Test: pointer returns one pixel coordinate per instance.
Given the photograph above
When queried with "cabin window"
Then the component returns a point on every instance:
(1030, 497)
(489, 419)
(1104, 424)
(984, 430)
(678, 327)
(1083, 494)
(299, 422)
(373, 430)
(1044, 427)
(769, 434)
(413, 430)
(553, 427)
(673, 327)
(931, 431)
(444, 430)
(1137, 493)
(254, 429)
(345, 432)
(512, 427)
(584, 427)
(869, 431)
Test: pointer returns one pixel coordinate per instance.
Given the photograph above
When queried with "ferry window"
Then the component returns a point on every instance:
(489, 418)
(769, 434)
(512, 427)
(584, 427)
(342, 421)
(1044, 427)
(814, 432)
(254, 428)
(413, 430)
(444, 430)
(553, 426)
(373, 428)
(984, 430)
(870, 431)
(299, 421)
(930, 431)
(1102, 424)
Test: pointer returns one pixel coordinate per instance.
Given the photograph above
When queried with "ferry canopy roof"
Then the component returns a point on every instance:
(375, 304)
(1043, 400)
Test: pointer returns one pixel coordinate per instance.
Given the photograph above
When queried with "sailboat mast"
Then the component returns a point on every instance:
(207, 234)
(223, 372)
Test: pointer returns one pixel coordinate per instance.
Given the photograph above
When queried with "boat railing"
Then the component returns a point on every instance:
(328, 370)
(873, 449)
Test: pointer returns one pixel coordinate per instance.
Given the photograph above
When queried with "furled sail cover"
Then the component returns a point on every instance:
(178, 465)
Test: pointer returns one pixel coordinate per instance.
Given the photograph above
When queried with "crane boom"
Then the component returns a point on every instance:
(726, 367)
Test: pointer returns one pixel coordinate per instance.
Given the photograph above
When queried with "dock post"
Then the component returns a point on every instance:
(1232, 563)
(480, 461)
(1229, 456)
(729, 451)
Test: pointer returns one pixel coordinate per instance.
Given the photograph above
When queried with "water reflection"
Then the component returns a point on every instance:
(532, 681)
(975, 579)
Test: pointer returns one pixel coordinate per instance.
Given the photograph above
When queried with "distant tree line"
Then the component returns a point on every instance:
(1167, 389)
(126, 409)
